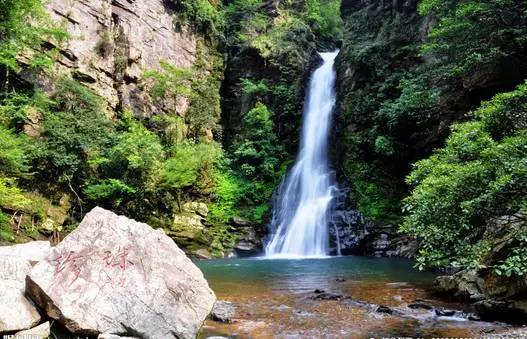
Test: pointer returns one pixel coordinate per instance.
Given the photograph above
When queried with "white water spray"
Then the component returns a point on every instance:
(300, 215)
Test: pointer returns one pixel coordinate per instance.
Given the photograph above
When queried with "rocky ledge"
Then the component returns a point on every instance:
(111, 277)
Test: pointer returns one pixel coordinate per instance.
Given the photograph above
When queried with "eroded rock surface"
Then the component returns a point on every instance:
(16, 311)
(32, 251)
(223, 311)
(41, 331)
(115, 275)
(112, 42)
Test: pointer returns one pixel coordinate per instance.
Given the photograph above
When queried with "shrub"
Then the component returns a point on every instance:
(481, 173)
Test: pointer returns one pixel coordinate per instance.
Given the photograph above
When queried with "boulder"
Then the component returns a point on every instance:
(239, 222)
(41, 331)
(16, 311)
(116, 275)
(202, 253)
(464, 284)
(223, 311)
(196, 207)
(187, 226)
(32, 251)
(248, 244)
(507, 311)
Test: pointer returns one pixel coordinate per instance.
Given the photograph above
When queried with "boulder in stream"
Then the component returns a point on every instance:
(223, 311)
(118, 276)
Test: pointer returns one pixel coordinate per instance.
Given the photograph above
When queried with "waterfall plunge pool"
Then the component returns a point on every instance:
(274, 299)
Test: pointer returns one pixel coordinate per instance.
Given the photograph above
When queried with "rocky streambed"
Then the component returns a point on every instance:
(348, 297)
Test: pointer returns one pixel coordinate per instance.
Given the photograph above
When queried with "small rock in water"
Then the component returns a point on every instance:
(473, 317)
(317, 291)
(327, 296)
(444, 313)
(223, 311)
(340, 279)
(384, 309)
(420, 304)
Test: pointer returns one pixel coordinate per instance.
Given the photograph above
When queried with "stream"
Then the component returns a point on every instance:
(275, 299)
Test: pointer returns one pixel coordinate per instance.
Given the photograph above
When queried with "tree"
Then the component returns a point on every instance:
(481, 173)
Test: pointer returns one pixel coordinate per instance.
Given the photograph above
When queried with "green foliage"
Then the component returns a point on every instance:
(127, 167)
(203, 14)
(201, 87)
(24, 25)
(480, 173)
(113, 190)
(473, 35)
(258, 153)
(324, 18)
(13, 156)
(190, 166)
(75, 129)
(389, 117)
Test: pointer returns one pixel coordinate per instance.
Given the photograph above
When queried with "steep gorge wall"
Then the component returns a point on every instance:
(112, 42)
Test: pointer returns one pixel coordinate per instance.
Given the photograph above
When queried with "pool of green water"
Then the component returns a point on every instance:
(301, 275)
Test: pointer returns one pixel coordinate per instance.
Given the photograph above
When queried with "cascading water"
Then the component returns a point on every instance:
(301, 212)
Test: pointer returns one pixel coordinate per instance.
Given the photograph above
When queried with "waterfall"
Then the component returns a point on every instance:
(300, 219)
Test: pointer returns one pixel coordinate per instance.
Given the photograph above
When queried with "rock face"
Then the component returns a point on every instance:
(113, 41)
(352, 235)
(118, 276)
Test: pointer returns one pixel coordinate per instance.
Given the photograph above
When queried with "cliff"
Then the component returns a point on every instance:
(112, 42)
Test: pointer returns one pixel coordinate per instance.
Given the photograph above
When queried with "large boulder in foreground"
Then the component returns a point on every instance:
(116, 275)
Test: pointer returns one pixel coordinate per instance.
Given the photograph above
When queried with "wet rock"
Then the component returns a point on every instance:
(115, 275)
(318, 291)
(202, 253)
(249, 243)
(420, 304)
(473, 317)
(384, 309)
(16, 311)
(187, 227)
(340, 279)
(440, 312)
(223, 311)
(327, 296)
(397, 298)
(41, 331)
(507, 311)
(354, 236)
(465, 284)
(239, 222)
